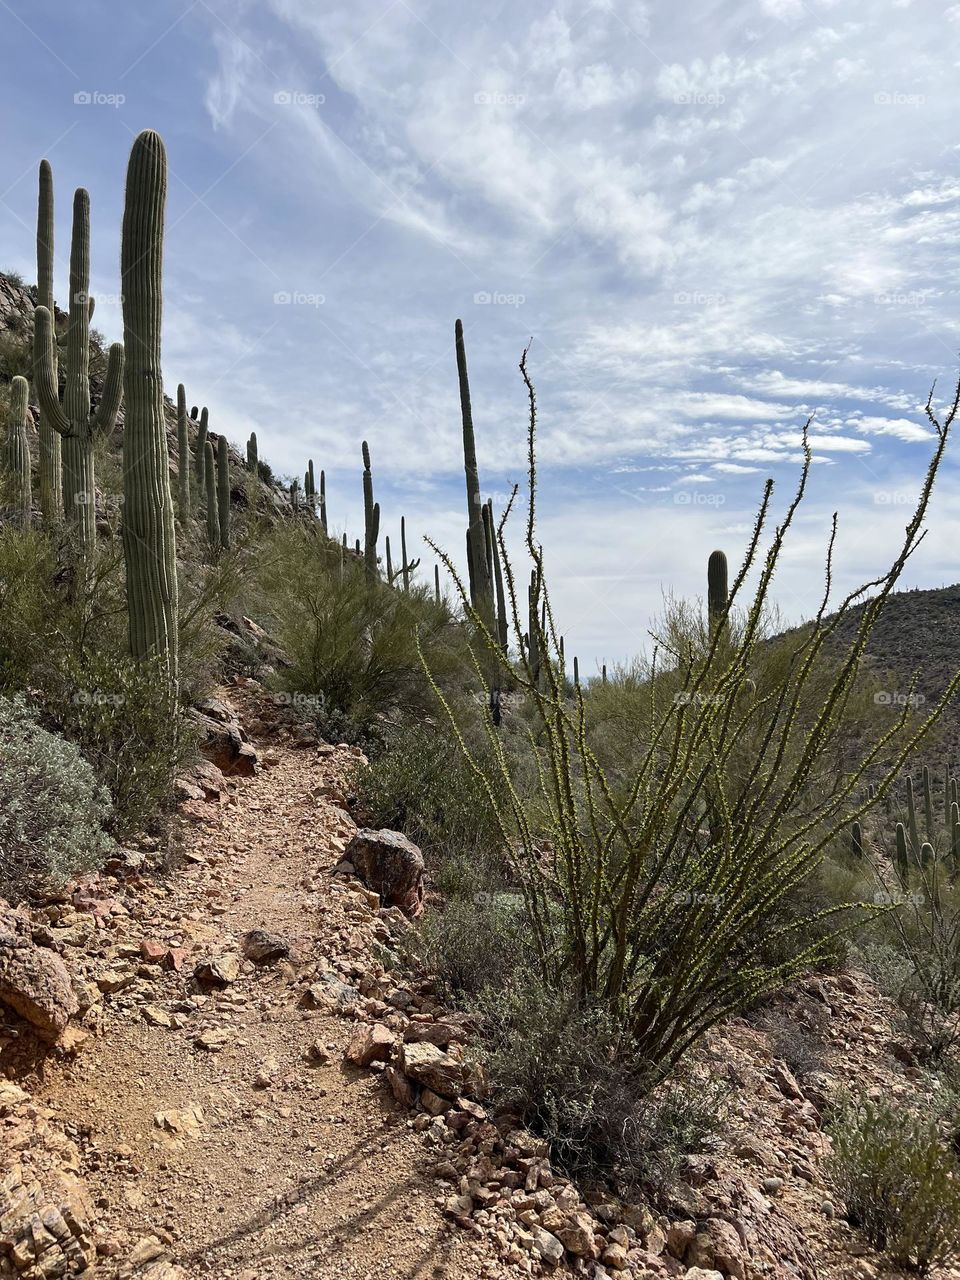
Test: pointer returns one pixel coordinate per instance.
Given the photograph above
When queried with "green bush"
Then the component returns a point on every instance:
(421, 785)
(353, 640)
(560, 1065)
(898, 1182)
(475, 940)
(52, 809)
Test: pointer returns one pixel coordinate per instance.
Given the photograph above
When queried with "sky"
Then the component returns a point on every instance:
(713, 219)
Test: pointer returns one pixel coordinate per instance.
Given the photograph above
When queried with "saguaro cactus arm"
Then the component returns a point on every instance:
(104, 420)
(45, 372)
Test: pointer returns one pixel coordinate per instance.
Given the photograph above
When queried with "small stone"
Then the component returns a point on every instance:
(156, 1016)
(773, 1186)
(214, 1040)
(828, 1209)
(218, 971)
(615, 1256)
(262, 947)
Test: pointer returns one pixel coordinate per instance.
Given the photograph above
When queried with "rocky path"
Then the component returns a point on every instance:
(222, 1134)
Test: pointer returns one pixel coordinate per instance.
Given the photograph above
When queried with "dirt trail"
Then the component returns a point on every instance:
(295, 1167)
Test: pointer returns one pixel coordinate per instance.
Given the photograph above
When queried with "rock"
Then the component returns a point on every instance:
(400, 1087)
(442, 1033)
(152, 951)
(34, 982)
(187, 1123)
(156, 1016)
(547, 1246)
(222, 739)
(218, 971)
(615, 1256)
(319, 1053)
(262, 947)
(717, 1244)
(773, 1186)
(215, 1040)
(458, 1207)
(370, 1042)
(680, 1236)
(701, 1273)
(430, 1066)
(390, 864)
(576, 1234)
(267, 1074)
(786, 1082)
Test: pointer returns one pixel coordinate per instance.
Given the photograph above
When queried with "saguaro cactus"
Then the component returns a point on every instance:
(223, 492)
(183, 457)
(717, 591)
(73, 419)
(51, 484)
(253, 456)
(201, 450)
(149, 542)
(481, 596)
(371, 516)
(17, 452)
(323, 501)
(311, 486)
(210, 485)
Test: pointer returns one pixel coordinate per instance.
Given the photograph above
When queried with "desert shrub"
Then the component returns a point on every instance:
(421, 785)
(797, 1036)
(63, 636)
(15, 278)
(476, 939)
(559, 1064)
(52, 809)
(666, 894)
(898, 1182)
(353, 639)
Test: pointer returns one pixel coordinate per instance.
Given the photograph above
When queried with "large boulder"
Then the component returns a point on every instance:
(34, 981)
(222, 739)
(391, 865)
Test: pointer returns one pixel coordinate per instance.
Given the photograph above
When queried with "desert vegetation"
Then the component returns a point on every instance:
(620, 864)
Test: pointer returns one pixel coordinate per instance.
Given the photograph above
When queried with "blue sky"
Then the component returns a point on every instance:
(713, 219)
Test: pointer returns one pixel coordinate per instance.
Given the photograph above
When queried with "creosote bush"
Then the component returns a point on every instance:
(52, 809)
(899, 1183)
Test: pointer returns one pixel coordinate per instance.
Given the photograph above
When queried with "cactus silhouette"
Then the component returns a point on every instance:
(223, 492)
(149, 545)
(183, 457)
(210, 486)
(51, 482)
(717, 591)
(76, 423)
(17, 452)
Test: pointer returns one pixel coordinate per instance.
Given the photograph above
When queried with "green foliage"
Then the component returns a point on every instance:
(662, 894)
(560, 1063)
(898, 1182)
(52, 809)
(350, 638)
(421, 785)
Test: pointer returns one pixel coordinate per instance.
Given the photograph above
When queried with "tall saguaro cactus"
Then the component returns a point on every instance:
(51, 483)
(17, 452)
(210, 486)
(371, 516)
(183, 457)
(201, 448)
(253, 454)
(323, 500)
(480, 585)
(223, 492)
(149, 540)
(717, 590)
(73, 419)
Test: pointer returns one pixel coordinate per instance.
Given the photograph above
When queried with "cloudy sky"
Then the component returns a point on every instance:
(714, 219)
